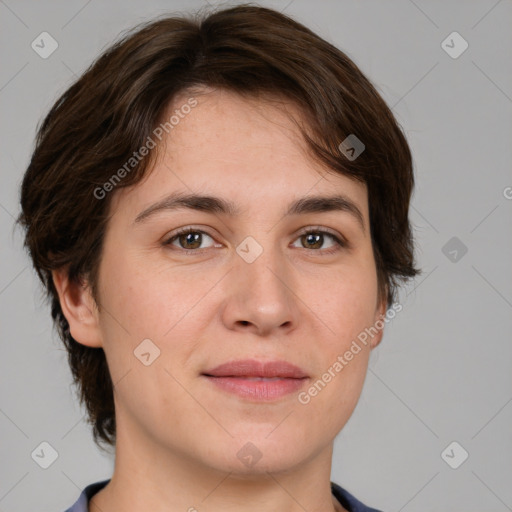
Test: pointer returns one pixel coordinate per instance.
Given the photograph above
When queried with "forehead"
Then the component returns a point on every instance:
(247, 149)
(225, 126)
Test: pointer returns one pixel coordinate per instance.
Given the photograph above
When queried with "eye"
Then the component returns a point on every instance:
(188, 239)
(315, 238)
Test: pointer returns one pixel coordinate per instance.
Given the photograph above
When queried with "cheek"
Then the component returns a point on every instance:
(145, 299)
(148, 300)
(346, 304)
(130, 298)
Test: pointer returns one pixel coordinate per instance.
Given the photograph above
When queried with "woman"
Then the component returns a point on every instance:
(218, 209)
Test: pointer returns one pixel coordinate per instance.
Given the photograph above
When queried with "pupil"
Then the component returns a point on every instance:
(311, 239)
(191, 238)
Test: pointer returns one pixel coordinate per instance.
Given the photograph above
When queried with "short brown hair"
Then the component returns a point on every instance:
(112, 109)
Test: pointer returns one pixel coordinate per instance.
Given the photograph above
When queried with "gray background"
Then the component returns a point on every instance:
(443, 370)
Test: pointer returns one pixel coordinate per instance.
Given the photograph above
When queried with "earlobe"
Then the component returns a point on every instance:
(79, 308)
(379, 323)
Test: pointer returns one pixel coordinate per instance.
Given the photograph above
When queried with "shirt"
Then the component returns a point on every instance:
(344, 497)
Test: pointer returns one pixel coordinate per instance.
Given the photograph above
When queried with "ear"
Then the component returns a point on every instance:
(79, 308)
(380, 314)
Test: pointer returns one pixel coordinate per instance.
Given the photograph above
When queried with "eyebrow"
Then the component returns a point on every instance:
(212, 204)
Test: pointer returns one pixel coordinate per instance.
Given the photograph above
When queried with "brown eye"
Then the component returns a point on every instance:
(315, 239)
(188, 239)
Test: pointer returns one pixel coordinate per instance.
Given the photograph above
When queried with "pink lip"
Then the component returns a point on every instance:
(254, 368)
(257, 380)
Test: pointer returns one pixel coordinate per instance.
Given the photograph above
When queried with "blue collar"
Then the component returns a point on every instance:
(344, 497)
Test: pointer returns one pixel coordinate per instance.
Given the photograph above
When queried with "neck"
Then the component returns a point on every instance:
(148, 477)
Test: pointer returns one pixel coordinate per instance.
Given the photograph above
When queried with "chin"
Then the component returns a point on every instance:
(256, 454)
(267, 464)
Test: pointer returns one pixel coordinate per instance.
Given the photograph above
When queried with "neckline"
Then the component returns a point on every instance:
(349, 502)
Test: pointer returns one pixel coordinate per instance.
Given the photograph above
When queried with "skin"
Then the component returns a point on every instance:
(177, 434)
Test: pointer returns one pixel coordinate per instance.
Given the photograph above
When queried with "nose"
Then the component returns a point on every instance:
(260, 296)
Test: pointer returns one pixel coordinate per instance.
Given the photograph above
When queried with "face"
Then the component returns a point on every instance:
(244, 285)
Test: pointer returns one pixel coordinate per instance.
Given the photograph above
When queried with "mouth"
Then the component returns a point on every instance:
(257, 380)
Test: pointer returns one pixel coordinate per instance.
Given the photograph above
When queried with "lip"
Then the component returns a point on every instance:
(255, 368)
(257, 380)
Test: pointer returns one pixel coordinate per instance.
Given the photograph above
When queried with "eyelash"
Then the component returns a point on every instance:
(340, 242)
